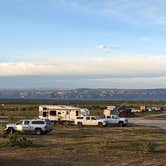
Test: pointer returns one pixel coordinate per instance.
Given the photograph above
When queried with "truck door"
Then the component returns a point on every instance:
(93, 121)
(109, 119)
(114, 119)
(26, 126)
(87, 121)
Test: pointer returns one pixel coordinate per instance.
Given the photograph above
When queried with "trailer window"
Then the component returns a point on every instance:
(79, 117)
(53, 113)
(44, 114)
(44, 108)
(76, 113)
(87, 118)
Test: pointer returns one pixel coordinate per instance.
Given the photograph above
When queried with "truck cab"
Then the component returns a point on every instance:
(116, 120)
(90, 121)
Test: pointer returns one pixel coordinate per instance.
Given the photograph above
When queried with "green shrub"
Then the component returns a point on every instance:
(148, 147)
(24, 142)
(14, 140)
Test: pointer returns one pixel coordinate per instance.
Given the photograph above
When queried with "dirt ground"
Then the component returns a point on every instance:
(89, 146)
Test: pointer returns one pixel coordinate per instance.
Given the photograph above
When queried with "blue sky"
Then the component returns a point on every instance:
(82, 43)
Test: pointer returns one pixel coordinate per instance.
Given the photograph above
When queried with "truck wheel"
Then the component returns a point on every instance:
(100, 124)
(10, 130)
(38, 131)
(79, 124)
(121, 124)
(46, 132)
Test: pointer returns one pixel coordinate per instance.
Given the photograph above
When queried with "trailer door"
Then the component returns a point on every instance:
(72, 115)
(64, 115)
(67, 117)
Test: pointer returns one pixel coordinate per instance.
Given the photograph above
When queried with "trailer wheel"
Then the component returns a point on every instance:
(67, 123)
(79, 124)
(121, 124)
(100, 124)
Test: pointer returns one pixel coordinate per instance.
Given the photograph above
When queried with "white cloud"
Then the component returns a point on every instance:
(101, 46)
(117, 66)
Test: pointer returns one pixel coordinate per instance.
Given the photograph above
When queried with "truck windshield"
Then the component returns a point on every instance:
(93, 118)
(114, 117)
(96, 117)
(19, 122)
(48, 122)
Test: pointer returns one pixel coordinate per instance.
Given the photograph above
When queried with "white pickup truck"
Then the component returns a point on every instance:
(90, 121)
(116, 120)
(37, 126)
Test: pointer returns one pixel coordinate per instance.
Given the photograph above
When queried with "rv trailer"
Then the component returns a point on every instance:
(111, 110)
(61, 113)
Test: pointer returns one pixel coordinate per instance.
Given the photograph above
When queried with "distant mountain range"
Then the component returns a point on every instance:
(88, 94)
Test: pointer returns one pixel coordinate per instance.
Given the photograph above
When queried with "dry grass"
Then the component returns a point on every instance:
(90, 146)
(84, 146)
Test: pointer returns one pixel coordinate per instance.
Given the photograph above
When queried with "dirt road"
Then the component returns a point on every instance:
(146, 122)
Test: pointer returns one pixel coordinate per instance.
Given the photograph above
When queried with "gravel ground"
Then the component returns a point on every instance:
(145, 122)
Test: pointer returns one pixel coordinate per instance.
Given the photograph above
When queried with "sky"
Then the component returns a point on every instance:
(66, 44)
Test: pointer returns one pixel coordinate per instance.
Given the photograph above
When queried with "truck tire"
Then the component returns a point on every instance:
(38, 131)
(46, 132)
(121, 124)
(10, 130)
(79, 124)
(100, 124)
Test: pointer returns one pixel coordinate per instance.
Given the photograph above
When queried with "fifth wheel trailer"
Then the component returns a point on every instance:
(62, 113)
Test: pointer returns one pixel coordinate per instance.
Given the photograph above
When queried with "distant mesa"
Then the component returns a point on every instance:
(88, 94)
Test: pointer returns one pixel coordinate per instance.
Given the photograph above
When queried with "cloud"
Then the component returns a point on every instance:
(109, 48)
(116, 66)
(101, 46)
